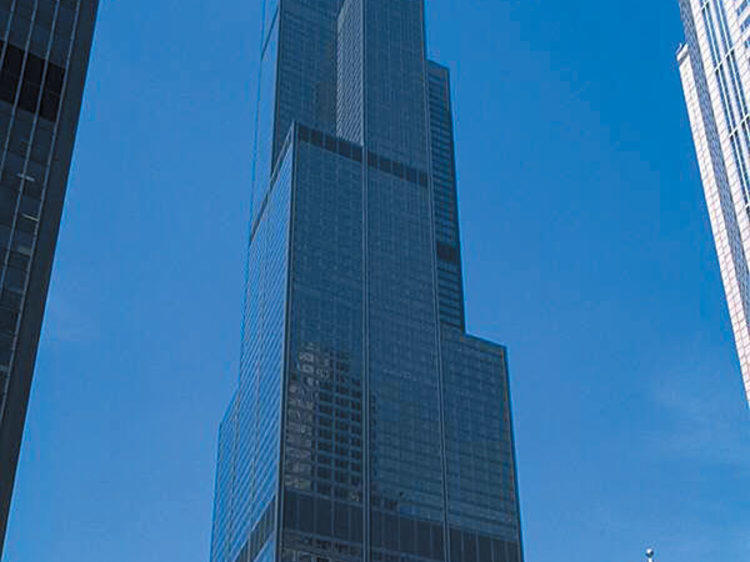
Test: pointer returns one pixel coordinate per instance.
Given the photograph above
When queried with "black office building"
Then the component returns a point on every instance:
(44, 53)
(367, 424)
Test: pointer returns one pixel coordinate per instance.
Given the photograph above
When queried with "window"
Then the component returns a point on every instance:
(31, 85)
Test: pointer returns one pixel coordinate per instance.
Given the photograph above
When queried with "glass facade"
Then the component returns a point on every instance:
(367, 425)
(323, 469)
(481, 474)
(44, 50)
(715, 70)
(450, 276)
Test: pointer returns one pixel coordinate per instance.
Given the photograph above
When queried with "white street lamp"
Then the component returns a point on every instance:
(650, 555)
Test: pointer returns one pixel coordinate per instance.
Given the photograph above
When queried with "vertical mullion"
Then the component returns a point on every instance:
(19, 197)
(50, 41)
(3, 51)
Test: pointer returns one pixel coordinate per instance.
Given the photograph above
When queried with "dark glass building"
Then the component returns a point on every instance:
(44, 52)
(367, 425)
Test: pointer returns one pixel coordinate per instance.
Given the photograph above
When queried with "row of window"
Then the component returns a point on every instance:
(33, 22)
(397, 169)
(331, 144)
(467, 546)
(407, 535)
(354, 152)
(390, 534)
(305, 548)
(34, 82)
(259, 535)
(447, 253)
(320, 516)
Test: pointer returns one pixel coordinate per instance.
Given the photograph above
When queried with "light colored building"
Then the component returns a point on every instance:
(715, 70)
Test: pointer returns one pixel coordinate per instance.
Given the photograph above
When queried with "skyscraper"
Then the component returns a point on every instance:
(367, 424)
(44, 52)
(715, 70)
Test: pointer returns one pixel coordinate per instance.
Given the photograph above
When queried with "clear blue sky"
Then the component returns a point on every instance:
(587, 251)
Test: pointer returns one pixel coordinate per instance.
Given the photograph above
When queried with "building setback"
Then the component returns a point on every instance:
(715, 69)
(44, 52)
(367, 424)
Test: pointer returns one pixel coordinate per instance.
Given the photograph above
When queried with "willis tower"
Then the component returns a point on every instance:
(367, 425)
